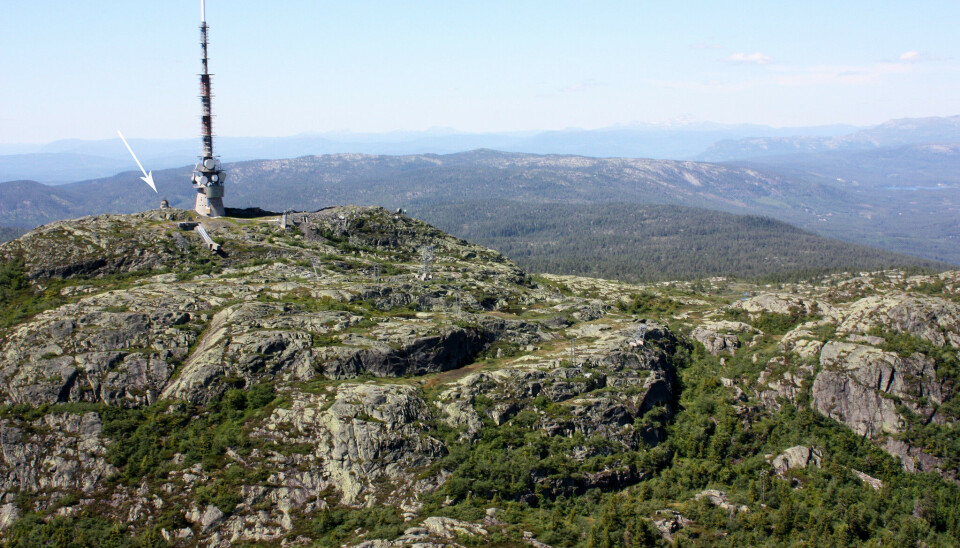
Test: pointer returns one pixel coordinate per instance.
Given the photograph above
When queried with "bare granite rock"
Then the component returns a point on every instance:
(359, 435)
(57, 453)
(931, 318)
(721, 337)
(798, 456)
(719, 499)
(856, 382)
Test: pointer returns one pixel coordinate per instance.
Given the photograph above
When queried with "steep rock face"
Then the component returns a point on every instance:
(778, 383)
(860, 386)
(58, 453)
(876, 354)
(360, 436)
(449, 348)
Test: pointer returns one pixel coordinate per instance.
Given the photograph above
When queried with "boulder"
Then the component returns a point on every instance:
(719, 499)
(721, 337)
(798, 456)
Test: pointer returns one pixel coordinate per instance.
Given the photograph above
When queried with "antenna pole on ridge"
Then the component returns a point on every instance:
(207, 175)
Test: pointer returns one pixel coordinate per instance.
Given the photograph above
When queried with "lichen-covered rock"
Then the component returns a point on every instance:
(802, 341)
(913, 458)
(934, 319)
(360, 359)
(721, 337)
(777, 303)
(798, 456)
(858, 384)
(57, 453)
(119, 347)
(205, 519)
(869, 480)
(719, 499)
(9, 513)
(451, 528)
(358, 436)
(669, 522)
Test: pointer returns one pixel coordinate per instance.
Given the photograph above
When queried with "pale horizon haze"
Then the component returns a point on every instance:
(83, 70)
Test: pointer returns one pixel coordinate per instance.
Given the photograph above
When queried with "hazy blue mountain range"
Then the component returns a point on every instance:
(75, 160)
(923, 223)
(894, 133)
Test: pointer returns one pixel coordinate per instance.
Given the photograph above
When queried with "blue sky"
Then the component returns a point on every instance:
(85, 69)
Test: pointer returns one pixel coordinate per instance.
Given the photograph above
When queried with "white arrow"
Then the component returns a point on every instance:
(147, 177)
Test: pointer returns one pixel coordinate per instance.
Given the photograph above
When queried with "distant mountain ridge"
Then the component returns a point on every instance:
(55, 162)
(922, 223)
(894, 133)
(928, 166)
(312, 182)
(73, 160)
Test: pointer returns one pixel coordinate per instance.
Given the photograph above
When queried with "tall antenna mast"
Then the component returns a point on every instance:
(207, 175)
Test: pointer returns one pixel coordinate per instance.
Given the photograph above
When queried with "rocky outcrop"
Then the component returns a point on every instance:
(437, 532)
(359, 436)
(781, 381)
(56, 454)
(798, 456)
(670, 522)
(802, 341)
(371, 382)
(447, 349)
(934, 319)
(914, 459)
(721, 337)
(869, 480)
(119, 348)
(615, 383)
(777, 303)
(97, 246)
(861, 385)
(719, 499)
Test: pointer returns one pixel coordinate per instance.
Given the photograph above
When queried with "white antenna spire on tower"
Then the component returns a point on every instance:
(203, 12)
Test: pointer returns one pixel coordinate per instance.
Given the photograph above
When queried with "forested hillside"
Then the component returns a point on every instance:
(652, 242)
(922, 223)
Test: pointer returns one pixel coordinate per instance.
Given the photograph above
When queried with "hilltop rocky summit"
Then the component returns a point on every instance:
(353, 376)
